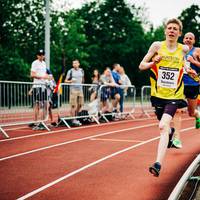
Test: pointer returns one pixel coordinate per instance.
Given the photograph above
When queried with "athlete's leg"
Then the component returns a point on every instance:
(177, 124)
(164, 127)
(192, 105)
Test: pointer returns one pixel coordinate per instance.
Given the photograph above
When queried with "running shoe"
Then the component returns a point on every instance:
(155, 169)
(31, 125)
(172, 130)
(76, 122)
(53, 124)
(177, 143)
(39, 127)
(197, 125)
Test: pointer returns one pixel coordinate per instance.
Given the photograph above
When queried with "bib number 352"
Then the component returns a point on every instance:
(168, 77)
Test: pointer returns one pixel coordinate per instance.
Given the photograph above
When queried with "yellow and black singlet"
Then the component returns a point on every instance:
(166, 76)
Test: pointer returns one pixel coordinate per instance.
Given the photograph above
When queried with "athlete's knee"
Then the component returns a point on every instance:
(191, 114)
(163, 126)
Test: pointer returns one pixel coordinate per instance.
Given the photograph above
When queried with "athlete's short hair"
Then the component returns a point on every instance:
(175, 21)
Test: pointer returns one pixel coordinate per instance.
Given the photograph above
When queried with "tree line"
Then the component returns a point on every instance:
(98, 34)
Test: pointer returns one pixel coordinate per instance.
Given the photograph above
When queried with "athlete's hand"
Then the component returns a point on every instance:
(192, 72)
(46, 76)
(190, 59)
(157, 59)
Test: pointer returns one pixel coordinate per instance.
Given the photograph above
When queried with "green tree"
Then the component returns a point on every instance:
(68, 39)
(115, 34)
(190, 18)
(21, 34)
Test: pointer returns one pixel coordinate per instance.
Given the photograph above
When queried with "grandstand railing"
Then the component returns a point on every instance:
(16, 105)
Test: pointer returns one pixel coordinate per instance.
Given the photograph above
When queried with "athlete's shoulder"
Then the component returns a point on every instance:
(197, 50)
(185, 48)
(155, 46)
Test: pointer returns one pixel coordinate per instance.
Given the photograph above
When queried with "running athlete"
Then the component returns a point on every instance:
(165, 59)
(191, 86)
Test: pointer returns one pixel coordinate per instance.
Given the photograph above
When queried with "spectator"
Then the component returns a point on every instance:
(94, 89)
(75, 76)
(51, 84)
(106, 79)
(115, 91)
(125, 82)
(39, 75)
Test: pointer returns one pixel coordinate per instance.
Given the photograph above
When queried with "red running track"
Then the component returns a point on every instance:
(108, 162)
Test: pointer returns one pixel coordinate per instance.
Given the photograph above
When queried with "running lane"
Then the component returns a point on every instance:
(113, 166)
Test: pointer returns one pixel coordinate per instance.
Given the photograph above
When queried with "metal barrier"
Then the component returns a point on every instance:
(126, 104)
(17, 102)
(145, 100)
(184, 179)
(64, 106)
(92, 108)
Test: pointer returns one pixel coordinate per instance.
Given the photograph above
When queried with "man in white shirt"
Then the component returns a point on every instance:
(39, 75)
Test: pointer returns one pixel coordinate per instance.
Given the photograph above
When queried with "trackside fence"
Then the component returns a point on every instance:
(64, 106)
(98, 103)
(147, 109)
(187, 176)
(17, 101)
(125, 107)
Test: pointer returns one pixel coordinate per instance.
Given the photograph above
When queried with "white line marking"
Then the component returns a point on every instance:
(83, 168)
(89, 165)
(115, 140)
(73, 141)
(71, 129)
(78, 128)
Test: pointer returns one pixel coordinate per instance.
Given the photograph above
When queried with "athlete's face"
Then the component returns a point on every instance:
(189, 39)
(172, 32)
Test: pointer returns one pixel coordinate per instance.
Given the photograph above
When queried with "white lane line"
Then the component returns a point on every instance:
(78, 128)
(34, 192)
(71, 129)
(73, 141)
(115, 140)
(83, 168)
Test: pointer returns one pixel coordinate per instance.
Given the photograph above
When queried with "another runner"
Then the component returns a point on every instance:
(191, 86)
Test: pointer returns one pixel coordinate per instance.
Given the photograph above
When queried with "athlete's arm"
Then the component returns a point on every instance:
(146, 62)
(195, 59)
(34, 75)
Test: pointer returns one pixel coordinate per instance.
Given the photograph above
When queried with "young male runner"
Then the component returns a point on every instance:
(166, 83)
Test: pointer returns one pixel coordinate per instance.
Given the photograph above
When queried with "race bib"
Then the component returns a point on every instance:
(167, 77)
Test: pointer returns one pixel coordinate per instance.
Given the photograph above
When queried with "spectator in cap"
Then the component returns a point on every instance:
(39, 75)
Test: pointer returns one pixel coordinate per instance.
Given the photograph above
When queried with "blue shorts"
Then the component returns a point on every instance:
(105, 93)
(191, 92)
